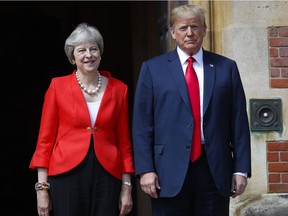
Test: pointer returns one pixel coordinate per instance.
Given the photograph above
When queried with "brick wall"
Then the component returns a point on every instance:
(278, 47)
(277, 165)
(277, 152)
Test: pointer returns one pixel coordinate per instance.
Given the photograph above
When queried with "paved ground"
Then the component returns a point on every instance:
(269, 205)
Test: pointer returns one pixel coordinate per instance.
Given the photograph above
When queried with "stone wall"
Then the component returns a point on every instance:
(254, 33)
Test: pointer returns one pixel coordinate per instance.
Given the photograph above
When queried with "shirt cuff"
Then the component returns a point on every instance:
(242, 174)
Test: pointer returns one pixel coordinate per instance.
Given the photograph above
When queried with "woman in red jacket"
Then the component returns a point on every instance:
(84, 153)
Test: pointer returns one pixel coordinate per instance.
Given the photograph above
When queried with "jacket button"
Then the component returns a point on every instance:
(95, 128)
(88, 128)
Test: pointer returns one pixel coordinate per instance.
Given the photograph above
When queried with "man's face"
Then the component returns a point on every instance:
(189, 34)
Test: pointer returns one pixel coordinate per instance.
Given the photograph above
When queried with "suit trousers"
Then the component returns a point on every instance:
(198, 196)
(87, 190)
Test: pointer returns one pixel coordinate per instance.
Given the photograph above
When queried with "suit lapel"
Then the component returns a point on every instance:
(176, 71)
(106, 106)
(209, 78)
(79, 104)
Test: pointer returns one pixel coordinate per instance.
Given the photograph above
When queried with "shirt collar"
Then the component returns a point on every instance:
(183, 56)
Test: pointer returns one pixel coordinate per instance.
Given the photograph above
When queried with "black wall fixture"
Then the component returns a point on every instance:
(266, 115)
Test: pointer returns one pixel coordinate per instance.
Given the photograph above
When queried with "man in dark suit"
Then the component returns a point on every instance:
(164, 122)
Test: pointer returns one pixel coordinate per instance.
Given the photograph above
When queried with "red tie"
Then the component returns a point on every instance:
(194, 93)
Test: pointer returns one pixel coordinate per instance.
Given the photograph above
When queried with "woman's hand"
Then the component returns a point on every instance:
(43, 203)
(125, 201)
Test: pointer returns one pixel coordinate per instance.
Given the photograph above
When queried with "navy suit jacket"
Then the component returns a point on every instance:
(163, 122)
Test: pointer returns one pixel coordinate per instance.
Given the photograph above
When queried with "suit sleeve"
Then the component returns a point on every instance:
(240, 127)
(123, 135)
(142, 125)
(48, 130)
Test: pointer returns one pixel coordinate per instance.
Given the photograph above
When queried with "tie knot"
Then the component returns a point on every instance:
(190, 60)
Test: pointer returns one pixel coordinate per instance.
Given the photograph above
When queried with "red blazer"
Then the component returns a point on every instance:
(65, 129)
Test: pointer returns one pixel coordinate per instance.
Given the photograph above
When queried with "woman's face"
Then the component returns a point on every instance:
(87, 57)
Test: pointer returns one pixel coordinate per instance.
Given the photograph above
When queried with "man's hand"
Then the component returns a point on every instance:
(149, 184)
(239, 184)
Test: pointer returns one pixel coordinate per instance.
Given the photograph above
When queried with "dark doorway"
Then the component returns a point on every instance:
(31, 53)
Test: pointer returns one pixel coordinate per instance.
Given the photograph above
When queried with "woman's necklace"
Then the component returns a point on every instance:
(89, 91)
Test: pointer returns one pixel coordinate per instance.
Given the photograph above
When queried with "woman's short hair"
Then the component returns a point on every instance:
(187, 11)
(83, 33)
